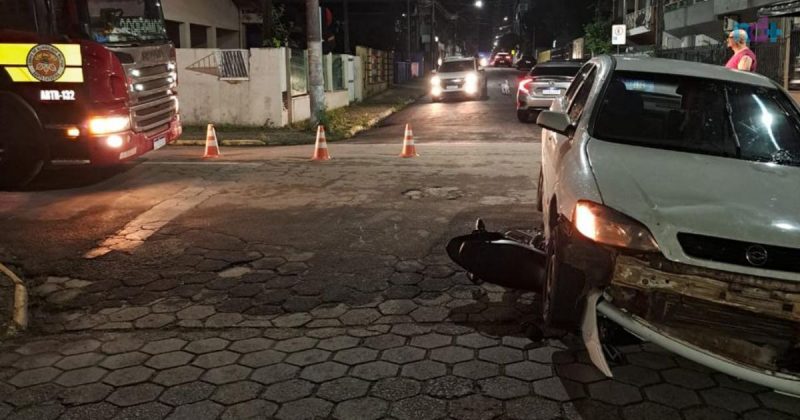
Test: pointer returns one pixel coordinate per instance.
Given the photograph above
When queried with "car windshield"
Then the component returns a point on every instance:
(700, 116)
(126, 21)
(457, 66)
(567, 71)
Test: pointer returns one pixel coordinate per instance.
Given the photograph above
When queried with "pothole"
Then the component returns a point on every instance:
(447, 193)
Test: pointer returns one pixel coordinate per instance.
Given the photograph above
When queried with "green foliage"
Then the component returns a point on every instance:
(280, 30)
(597, 37)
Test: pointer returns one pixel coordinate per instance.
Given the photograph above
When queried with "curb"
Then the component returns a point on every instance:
(349, 134)
(239, 143)
(382, 116)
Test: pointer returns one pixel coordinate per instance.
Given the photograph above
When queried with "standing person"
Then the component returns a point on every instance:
(744, 58)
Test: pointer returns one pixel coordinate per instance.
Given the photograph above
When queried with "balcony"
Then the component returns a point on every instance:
(641, 21)
(691, 17)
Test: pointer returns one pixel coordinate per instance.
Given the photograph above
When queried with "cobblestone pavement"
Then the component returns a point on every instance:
(404, 371)
(295, 290)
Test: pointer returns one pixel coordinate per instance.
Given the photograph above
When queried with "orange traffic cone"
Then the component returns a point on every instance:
(409, 150)
(321, 148)
(212, 145)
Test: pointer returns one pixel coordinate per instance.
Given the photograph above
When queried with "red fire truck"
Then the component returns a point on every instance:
(83, 82)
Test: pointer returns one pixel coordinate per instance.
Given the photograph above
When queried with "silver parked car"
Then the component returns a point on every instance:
(545, 82)
(670, 196)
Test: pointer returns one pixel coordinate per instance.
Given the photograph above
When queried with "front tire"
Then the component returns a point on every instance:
(22, 150)
(524, 116)
(562, 295)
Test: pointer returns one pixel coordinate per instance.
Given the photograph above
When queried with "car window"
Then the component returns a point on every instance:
(457, 66)
(700, 116)
(564, 71)
(582, 96)
(18, 15)
(576, 83)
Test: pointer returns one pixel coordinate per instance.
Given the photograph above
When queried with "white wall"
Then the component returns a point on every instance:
(206, 99)
(336, 99)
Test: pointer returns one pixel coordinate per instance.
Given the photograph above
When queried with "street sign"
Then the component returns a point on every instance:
(618, 34)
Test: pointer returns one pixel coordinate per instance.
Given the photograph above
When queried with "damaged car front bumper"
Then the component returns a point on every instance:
(741, 325)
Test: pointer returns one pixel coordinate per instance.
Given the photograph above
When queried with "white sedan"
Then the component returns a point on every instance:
(669, 193)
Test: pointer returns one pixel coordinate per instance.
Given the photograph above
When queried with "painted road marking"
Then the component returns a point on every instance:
(138, 230)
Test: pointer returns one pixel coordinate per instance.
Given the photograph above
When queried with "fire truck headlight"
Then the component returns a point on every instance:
(171, 66)
(108, 125)
(114, 141)
(136, 72)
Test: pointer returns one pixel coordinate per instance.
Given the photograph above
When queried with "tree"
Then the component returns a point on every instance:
(275, 32)
(597, 37)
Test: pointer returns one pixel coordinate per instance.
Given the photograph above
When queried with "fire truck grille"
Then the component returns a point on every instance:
(155, 104)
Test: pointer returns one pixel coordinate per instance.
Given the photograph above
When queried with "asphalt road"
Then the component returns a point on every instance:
(461, 120)
(262, 284)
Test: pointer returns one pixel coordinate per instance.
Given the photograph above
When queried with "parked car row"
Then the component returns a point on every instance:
(669, 198)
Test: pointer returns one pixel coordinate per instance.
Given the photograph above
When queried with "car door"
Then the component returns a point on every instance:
(555, 145)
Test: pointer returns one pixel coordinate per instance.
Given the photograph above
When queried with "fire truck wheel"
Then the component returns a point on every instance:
(22, 149)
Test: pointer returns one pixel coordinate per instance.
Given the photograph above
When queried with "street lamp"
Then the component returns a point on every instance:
(505, 19)
(479, 3)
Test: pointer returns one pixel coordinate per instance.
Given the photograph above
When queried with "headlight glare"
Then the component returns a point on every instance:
(108, 125)
(436, 81)
(472, 78)
(610, 227)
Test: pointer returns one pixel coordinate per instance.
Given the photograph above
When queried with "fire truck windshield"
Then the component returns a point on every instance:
(126, 21)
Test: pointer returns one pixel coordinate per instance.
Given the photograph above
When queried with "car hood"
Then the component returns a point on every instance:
(672, 192)
(455, 74)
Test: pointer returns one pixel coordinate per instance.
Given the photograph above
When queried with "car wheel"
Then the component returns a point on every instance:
(485, 92)
(539, 192)
(524, 116)
(562, 296)
(435, 99)
(22, 152)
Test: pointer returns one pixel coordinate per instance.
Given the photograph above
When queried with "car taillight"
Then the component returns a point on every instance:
(525, 84)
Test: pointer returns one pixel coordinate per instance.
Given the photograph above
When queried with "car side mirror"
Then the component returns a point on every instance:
(556, 121)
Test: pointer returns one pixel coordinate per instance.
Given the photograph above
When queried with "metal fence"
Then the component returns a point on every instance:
(770, 57)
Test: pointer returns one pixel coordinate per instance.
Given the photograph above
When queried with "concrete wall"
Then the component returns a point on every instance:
(213, 14)
(206, 99)
(257, 102)
(336, 99)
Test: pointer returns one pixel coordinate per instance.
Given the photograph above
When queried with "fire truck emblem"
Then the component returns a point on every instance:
(46, 63)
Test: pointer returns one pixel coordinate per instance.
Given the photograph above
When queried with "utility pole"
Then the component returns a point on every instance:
(434, 50)
(346, 28)
(268, 23)
(408, 27)
(316, 86)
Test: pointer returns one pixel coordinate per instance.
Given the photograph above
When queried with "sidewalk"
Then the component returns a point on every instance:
(343, 123)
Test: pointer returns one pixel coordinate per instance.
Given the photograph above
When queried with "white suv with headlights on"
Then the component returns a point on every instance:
(669, 193)
(459, 77)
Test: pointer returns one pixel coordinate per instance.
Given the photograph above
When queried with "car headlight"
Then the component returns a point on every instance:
(108, 125)
(436, 81)
(472, 78)
(484, 62)
(610, 227)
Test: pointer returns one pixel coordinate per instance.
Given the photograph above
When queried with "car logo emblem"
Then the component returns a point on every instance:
(756, 255)
(552, 84)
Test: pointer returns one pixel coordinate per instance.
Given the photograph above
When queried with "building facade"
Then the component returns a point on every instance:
(204, 23)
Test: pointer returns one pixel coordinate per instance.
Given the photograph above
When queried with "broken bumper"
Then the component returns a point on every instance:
(787, 384)
(744, 326)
